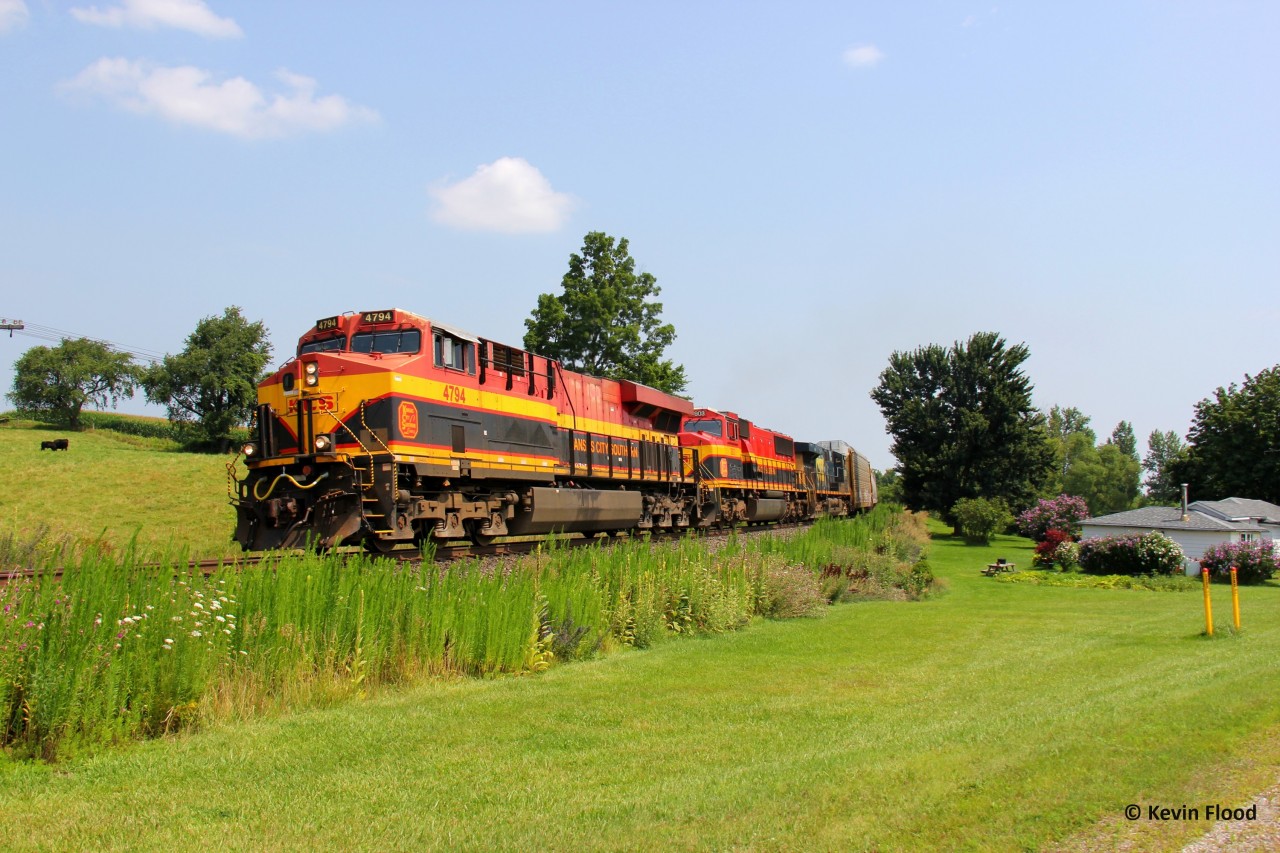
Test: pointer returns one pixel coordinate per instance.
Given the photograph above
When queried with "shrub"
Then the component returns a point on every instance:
(977, 519)
(1067, 556)
(1047, 549)
(1255, 562)
(1065, 512)
(1132, 554)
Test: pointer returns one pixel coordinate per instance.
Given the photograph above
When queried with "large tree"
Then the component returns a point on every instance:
(60, 381)
(605, 321)
(963, 425)
(211, 386)
(1106, 475)
(1163, 450)
(1233, 448)
(1071, 440)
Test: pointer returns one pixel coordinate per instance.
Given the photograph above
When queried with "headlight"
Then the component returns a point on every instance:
(249, 449)
(312, 369)
(312, 380)
(324, 443)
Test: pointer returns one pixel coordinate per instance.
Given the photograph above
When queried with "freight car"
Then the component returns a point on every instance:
(388, 428)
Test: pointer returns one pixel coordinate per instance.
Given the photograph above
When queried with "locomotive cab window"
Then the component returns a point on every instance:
(455, 353)
(388, 341)
(712, 426)
(330, 344)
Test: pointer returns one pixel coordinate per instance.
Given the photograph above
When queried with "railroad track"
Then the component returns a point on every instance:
(443, 553)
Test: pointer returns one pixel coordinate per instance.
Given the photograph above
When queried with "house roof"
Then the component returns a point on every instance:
(1239, 509)
(1170, 518)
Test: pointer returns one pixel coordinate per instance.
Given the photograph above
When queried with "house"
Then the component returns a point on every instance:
(1265, 515)
(1200, 525)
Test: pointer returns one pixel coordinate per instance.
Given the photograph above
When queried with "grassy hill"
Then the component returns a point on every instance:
(995, 716)
(110, 486)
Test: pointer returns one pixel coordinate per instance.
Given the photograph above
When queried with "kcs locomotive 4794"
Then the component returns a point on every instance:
(389, 428)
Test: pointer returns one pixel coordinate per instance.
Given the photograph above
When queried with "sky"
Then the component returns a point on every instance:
(814, 185)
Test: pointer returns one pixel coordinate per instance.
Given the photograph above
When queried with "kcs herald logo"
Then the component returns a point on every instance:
(408, 418)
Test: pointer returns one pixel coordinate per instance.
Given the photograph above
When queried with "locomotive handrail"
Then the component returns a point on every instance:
(395, 479)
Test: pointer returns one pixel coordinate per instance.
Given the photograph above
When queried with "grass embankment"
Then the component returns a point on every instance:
(109, 487)
(996, 716)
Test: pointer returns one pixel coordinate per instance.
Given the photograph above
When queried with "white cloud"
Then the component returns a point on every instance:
(508, 195)
(188, 95)
(13, 14)
(863, 56)
(191, 15)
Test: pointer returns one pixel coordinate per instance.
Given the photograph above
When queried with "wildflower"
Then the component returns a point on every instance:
(198, 606)
(213, 605)
(227, 631)
(151, 607)
(243, 652)
(168, 640)
(195, 633)
(177, 619)
(221, 618)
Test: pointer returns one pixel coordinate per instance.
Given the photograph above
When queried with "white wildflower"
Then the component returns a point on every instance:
(195, 633)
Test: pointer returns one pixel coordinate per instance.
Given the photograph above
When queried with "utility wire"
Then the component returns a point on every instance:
(48, 333)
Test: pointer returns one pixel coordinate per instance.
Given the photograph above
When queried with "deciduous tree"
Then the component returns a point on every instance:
(211, 386)
(1233, 448)
(963, 425)
(60, 381)
(605, 321)
(1163, 450)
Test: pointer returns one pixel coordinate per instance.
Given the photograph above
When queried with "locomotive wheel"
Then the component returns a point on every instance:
(374, 545)
(480, 539)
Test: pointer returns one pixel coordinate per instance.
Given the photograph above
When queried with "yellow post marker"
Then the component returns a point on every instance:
(1208, 604)
(1235, 599)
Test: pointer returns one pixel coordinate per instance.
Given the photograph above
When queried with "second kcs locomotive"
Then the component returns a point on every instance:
(388, 428)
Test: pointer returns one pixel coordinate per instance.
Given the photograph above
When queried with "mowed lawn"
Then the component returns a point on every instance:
(110, 487)
(993, 716)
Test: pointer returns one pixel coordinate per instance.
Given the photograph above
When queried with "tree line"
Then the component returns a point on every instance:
(208, 389)
(964, 429)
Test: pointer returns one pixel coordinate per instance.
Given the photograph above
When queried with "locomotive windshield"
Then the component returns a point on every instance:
(390, 341)
(713, 426)
(323, 345)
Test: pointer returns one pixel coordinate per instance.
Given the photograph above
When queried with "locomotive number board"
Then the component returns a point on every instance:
(378, 317)
(327, 323)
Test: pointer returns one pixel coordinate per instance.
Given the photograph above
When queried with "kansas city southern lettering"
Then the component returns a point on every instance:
(619, 448)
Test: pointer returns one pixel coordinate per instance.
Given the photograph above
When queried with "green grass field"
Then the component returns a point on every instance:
(109, 487)
(991, 716)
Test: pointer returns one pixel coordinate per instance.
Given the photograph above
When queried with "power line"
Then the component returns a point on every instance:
(48, 333)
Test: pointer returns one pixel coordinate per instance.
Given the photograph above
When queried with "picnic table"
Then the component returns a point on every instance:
(999, 566)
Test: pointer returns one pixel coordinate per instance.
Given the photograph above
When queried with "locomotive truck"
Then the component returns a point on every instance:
(388, 428)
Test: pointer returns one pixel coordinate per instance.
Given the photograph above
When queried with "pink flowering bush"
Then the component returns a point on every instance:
(1065, 512)
(1255, 562)
(1132, 554)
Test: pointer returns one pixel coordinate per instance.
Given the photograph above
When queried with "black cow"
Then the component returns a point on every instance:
(56, 444)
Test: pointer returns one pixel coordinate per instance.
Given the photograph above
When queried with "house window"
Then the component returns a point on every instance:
(1247, 537)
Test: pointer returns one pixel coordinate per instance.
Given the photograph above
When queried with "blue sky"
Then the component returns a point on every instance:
(814, 185)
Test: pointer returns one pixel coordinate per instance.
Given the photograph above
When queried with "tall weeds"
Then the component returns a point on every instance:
(122, 647)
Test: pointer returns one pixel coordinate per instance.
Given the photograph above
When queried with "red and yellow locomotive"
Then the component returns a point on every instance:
(389, 428)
